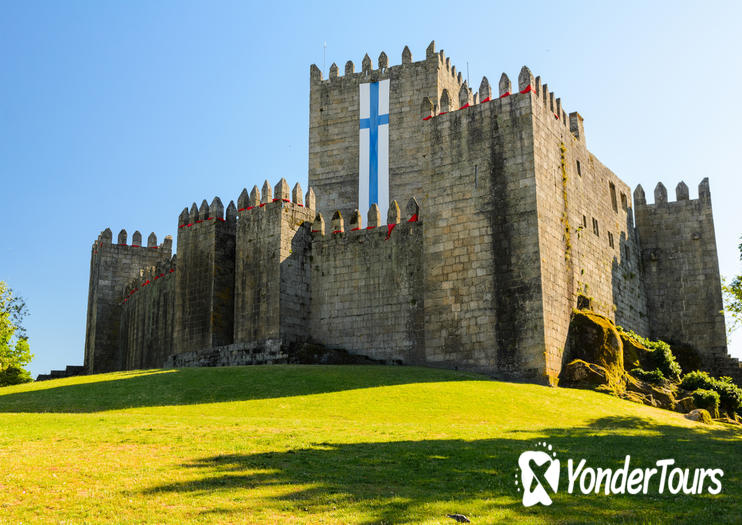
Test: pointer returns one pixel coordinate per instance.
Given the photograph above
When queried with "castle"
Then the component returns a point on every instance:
(442, 227)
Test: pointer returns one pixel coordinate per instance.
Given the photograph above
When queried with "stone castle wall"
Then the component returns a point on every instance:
(366, 292)
(148, 317)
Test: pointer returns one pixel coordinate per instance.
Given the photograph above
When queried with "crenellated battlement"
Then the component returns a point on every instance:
(384, 70)
(465, 97)
(280, 193)
(528, 85)
(150, 275)
(444, 64)
(681, 195)
(213, 212)
(105, 239)
(394, 217)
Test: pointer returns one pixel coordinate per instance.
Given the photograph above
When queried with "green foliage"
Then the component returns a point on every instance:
(655, 376)
(707, 399)
(730, 395)
(15, 352)
(697, 379)
(14, 375)
(732, 292)
(659, 357)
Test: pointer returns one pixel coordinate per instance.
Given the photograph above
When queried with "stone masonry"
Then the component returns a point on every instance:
(499, 218)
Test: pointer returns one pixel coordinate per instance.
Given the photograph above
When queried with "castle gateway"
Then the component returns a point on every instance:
(442, 227)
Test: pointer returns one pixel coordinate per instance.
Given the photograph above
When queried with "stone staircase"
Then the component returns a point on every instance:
(727, 365)
(71, 370)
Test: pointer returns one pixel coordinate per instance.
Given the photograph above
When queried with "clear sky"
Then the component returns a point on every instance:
(119, 114)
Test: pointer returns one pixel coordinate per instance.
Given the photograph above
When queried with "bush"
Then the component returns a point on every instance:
(655, 376)
(662, 359)
(707, 399)
(697, 379)
(659, 357)
(14, 375)
(730, 395)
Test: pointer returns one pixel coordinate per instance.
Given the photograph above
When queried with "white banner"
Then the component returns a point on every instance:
(373, 151)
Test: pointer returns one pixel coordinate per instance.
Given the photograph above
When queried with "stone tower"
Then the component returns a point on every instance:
(112, 266)
(681, 269)
(519, 216)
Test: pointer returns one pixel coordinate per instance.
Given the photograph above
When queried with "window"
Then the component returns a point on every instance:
(624, 202)
(584, 222)
(614, 202)
(596, 231)
(626, 248)
(610, 240)
(579, 171)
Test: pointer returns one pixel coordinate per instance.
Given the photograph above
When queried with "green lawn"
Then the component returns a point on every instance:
(332, 444)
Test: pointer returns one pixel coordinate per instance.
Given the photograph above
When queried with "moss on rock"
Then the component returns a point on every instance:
(662, 396)
(685, 405)
(700, 415)
(593, 338)
(579, 373)
(635, 354)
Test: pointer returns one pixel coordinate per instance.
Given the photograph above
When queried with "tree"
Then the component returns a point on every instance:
(15, 352)
(733, 298)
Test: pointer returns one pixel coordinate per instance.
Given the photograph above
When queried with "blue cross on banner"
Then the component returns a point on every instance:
(373, 157)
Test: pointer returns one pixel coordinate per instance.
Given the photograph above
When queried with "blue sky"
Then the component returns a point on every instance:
(119, 114)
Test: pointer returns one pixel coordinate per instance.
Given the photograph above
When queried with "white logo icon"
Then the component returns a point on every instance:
(539, 473)
(538, 477)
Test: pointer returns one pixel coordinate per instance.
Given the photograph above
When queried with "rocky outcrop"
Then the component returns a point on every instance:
(661, 396)
(582, 373)
(634, 353)
(600, 358)
(593, 338)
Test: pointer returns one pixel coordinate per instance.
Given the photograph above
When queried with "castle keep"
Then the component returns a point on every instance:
(498, 217)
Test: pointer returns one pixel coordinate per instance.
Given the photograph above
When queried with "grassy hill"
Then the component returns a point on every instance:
(331, 444)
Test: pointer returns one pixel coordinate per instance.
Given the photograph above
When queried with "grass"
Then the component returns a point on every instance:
(331, 444)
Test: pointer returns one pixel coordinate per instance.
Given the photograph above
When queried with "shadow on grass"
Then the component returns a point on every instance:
(413, 481)
(190, 386)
